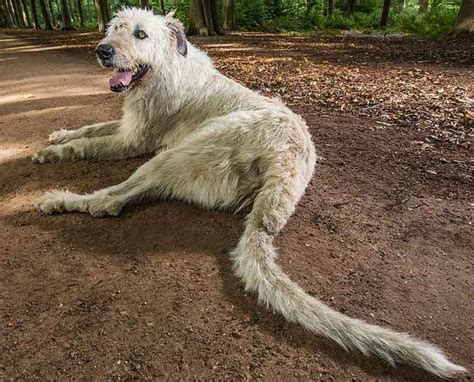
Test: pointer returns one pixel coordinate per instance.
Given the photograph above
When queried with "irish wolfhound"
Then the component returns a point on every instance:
(220, 145)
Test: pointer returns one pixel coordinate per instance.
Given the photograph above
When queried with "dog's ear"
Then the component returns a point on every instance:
(170, 14)
(177, 30)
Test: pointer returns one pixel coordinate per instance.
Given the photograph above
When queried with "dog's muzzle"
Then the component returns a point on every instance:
(105, 52)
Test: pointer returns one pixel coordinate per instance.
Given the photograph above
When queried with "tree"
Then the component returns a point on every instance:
(9, 16)
(17, 12)
(203, 19)
(34, 14)
(102, 14)
(25, 14)
(106, 7)
(352, 6)
(11, 7)
(145, 4)
(228, 14)
(46, 18)
(465, 22)
(6, 17)
(385, 13)
(215, 19)
(423, 6)
(80, 12)
(330, 9)
(99, 16)
(51, 10)
(162, 5)
(66, 16)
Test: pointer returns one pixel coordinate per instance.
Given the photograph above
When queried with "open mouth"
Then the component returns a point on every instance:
(123, 79)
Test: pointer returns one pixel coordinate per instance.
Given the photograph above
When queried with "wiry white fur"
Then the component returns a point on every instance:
(220, 145)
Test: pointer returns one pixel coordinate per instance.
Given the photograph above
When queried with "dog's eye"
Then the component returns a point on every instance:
(140, 34)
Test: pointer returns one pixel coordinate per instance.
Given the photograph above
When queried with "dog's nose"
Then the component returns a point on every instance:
(105, 51)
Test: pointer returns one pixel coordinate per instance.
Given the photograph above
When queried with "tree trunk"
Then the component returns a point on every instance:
(26, 15)
(106, 8)
(203, 19)
(385, 13)
(215, 18)
(423, 6)
(11, 6)
(162, 5)
(207, 13)
(197, 26)
(144, 4)
(51, 11)
(103, 14)
(352, 6)
(18, 16)
(89, 3)
(403, 4)
(17, 13)
(330, 10)
(66, 16)
(10, 13)
(4, 22)
(57, 17)
(34, 14)
(7, 20)
(100, 17)
(46, 18)
(3, 17)
(465, 22)
(228, 16)
(81, 14)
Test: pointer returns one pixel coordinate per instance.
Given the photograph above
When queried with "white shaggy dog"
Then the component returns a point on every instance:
(220, 145)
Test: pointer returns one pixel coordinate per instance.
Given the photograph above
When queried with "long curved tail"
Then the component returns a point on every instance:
(254, 264)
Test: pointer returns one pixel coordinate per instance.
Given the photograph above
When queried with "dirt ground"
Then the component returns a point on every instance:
(384, 231)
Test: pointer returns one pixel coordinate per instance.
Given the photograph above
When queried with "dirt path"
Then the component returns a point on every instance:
(383, 233)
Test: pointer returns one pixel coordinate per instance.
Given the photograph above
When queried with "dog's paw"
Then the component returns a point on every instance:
(54, 153)
(104, 205)
(49, 154)
(52, 202)
(61, 136)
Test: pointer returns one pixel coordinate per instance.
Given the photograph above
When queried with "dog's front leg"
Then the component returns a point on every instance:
(90, 131)
(108, 147)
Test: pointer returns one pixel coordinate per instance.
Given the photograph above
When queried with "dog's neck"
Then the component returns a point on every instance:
(174, 82)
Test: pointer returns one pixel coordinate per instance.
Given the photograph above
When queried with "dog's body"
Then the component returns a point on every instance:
(220, 145)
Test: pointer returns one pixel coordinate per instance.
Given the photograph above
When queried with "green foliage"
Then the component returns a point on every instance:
(361, 22)
(437, 22)
(251, 14)
(286, 24)
(292, 15)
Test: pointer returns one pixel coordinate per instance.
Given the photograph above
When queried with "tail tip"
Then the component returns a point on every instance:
(449, 370)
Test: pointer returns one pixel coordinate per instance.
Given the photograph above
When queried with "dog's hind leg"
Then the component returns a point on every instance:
(95, 130)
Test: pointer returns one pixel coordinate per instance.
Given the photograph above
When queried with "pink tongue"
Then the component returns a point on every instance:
(124, 78)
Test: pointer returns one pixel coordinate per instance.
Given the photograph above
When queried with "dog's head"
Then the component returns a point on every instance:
(139, 43)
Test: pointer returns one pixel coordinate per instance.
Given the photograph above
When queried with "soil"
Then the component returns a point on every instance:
(383, 233)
